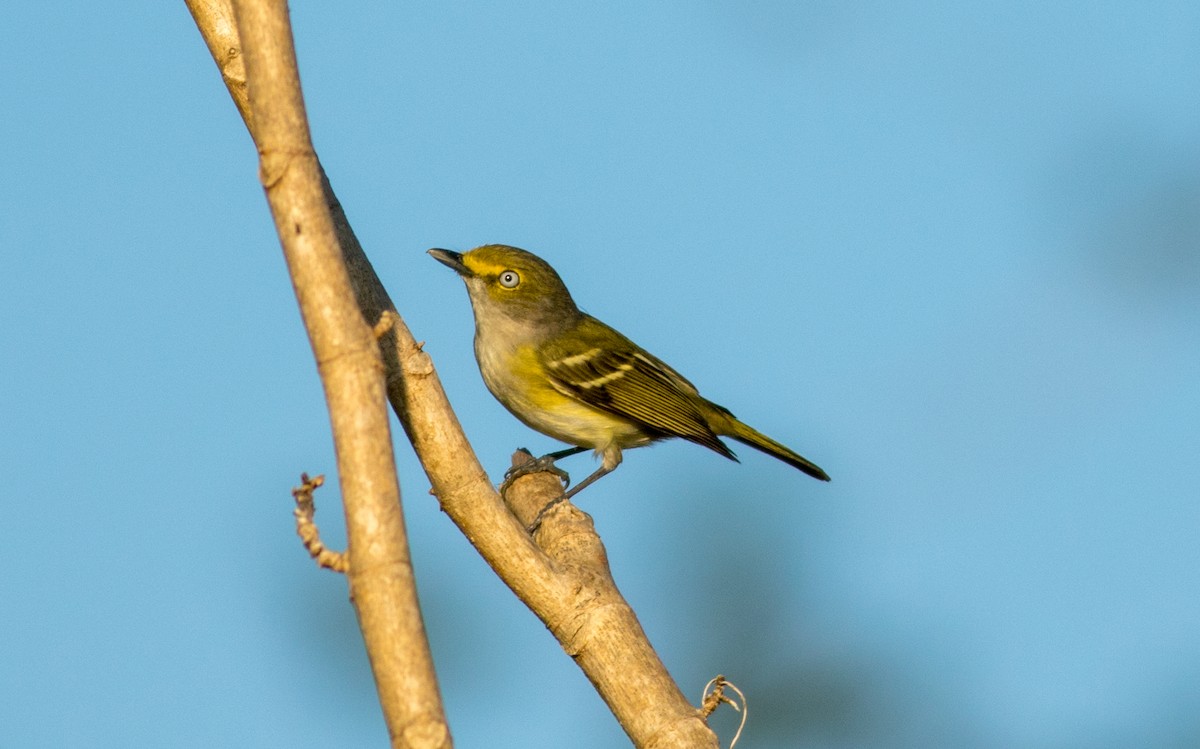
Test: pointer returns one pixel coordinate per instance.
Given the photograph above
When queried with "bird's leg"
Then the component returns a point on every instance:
(612, 459)
(603, 470)
(544, 463)
(560, 454)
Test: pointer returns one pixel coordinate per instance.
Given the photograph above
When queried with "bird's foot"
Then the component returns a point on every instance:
(544, 464)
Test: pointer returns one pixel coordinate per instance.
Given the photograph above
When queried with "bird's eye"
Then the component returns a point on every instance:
(509, 279)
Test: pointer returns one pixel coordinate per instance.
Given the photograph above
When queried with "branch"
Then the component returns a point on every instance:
(306, 526)
(382, 585)
(598, 628)
(563, 577)
(717, 697)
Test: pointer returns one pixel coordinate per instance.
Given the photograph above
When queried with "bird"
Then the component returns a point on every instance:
(572, 377)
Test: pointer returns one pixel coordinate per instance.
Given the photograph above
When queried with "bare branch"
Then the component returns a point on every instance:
(382, 586)
(596, 625)
(714, 699)
(217, 25)
(306, 527)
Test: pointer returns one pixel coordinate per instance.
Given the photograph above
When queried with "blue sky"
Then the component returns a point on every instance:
(949, 251)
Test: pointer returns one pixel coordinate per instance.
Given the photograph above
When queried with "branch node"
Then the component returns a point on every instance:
(307, 529)
(387, 320)
(414, 361)
(710, 701)
(274, 163)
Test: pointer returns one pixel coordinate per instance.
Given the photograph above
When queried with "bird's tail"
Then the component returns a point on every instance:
(731, 427)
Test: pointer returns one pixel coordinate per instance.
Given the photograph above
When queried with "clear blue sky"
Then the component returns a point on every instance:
(950, 251)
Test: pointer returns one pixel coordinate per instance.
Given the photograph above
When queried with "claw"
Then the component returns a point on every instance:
(544, 464)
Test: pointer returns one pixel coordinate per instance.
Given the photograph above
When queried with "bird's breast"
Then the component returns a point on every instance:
(515, 376)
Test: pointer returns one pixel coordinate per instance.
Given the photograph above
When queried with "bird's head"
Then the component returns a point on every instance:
(511, 283)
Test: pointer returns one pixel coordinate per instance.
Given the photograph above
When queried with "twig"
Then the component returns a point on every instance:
(307, 529)
(710, 701)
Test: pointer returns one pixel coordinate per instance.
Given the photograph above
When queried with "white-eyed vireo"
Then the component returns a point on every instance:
(570, 376)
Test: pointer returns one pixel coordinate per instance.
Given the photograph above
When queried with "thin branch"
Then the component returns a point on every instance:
(382, 586)
(714, 699)
(306, 526)
(563, 577)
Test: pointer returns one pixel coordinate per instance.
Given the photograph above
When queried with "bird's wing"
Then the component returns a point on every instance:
(604, 369)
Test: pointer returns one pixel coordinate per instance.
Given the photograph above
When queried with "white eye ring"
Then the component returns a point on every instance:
(509, 279)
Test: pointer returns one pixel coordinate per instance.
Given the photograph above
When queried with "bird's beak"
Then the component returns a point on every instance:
(451, 259)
